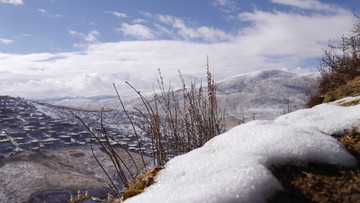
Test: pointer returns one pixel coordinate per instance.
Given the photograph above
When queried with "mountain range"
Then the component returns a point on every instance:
(256, 95)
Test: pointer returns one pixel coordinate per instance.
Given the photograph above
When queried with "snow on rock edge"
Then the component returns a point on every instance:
(234, 166)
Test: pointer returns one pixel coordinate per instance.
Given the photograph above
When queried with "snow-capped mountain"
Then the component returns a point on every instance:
(257, 95)
(263, 95)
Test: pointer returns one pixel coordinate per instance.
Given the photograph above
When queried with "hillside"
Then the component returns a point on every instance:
(351, 88)
(45, 152)
(53, 174)
(27, 125)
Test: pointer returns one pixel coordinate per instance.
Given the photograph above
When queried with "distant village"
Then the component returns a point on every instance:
(23, 127)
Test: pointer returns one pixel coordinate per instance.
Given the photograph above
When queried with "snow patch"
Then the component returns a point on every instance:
(234, 166)
(326, 118)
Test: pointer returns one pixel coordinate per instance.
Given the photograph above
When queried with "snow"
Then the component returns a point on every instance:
(329, 119)
(234, 166)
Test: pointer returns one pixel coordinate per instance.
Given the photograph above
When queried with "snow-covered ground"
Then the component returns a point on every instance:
(234, 166)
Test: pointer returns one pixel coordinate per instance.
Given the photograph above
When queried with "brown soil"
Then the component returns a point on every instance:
(319, 182)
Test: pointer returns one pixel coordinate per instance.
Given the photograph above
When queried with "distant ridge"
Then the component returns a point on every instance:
(260, 95)
(264, 94)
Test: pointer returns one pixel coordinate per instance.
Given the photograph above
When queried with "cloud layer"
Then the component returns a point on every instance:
(308, 4)
(270, 39)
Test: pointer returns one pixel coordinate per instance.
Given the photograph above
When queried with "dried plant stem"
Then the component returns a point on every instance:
(132, 124)
(119, 170)
(176, 126)
(176, 121)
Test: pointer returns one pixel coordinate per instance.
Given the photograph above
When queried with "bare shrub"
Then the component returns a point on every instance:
(180, 121)
(339, 63)
(177, 122)
(122, 170)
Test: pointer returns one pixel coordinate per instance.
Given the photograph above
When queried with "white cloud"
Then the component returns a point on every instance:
(91, 37)
(47, 13)
(138, 21)
(15, 2)
(42, 10)
(117, 14)
(73, 32)
(226, 6)
(210, 34)
(164, 30)
(146, 14)
(309, 4)
(207, 34)
(137, 30)
(6, 41)
(289, 34)
(176, 28)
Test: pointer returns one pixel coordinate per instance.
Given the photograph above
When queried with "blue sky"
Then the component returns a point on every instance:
(57, 26)
(54, 48)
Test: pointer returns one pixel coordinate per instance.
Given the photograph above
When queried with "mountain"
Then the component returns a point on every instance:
(264, 94)
(96, 102)
(257, 95)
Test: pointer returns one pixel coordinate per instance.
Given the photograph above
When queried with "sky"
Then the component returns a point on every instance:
(60, 48)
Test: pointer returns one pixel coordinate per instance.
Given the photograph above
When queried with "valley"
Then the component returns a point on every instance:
(50, 148)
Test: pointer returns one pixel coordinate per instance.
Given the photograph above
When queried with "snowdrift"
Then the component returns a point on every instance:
(234, 166)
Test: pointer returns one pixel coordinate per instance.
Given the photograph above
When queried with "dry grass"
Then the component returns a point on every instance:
(351, 103)
(351, 88)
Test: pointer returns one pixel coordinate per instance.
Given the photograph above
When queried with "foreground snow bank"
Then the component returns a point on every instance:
(234, 166)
